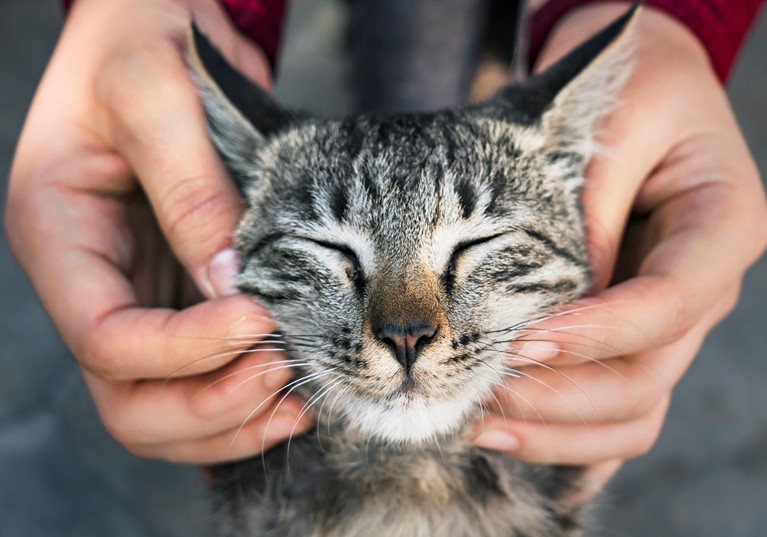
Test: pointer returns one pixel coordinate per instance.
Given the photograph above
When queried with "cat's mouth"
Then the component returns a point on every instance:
(408, 388)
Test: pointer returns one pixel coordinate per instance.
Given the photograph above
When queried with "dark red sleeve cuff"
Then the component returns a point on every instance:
(721, 25)
(261, 20)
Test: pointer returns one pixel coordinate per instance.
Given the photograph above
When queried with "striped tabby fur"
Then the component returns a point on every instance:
(397, 255)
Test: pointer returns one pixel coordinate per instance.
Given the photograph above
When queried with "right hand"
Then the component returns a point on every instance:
(114, 147)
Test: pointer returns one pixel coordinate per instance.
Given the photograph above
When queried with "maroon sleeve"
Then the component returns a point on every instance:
(261, 20)
(720, 25)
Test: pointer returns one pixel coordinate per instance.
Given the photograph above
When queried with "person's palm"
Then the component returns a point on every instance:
(113, 159)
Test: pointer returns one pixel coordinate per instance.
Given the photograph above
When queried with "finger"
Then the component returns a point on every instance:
(616, 390)
(159, 126)
(257, 436)
(96, 310)
(653, 309)
(595, 478)
(152, 412)
(574, 344)
(573, 444)
(161, 343)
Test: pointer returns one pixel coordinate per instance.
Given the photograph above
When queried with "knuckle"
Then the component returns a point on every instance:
(125, 428)
(25, 228)
(11, 224)
(134, 66)
(729, 302)
(641, 447)
(207, 405)
(223, 396)
(644, 397)
(761, 229)
(187, 202)
(601, 246)
(649, 430)
(677, 306)
(133, 80)
(117, 424)
(144, 451)
(92, 353)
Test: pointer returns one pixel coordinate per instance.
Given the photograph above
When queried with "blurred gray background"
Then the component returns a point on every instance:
(61, 475)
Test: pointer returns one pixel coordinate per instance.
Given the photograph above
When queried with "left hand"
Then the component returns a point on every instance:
(675, 160)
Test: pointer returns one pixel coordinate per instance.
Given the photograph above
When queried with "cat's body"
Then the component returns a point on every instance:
(339, 484)
(399, 256)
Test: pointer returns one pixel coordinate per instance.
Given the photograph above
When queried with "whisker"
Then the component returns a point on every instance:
(521, 357)
(293, 385)
(514, 393)
(221, 354)
(276, 367)
(312, 400)
(322, 408)
(542, 318)
(500, 378)
(565, 330)
(231, 338)
(590, 359)
(562, 396)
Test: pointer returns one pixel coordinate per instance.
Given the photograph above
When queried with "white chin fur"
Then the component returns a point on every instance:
(410, 420)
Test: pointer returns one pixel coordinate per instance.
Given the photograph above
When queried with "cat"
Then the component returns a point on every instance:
(398, 255)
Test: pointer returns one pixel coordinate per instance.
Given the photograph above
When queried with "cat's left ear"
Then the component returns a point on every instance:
(241, 116)
(568, 99)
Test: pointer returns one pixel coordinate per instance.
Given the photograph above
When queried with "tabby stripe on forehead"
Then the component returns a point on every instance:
(339, 203)
(258, 292)
(561, 286)
(467, 197)
(355, 137)
(263, 242)
(516, 270)
(551, 245)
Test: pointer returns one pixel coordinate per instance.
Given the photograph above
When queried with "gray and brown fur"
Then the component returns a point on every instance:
(398, 254)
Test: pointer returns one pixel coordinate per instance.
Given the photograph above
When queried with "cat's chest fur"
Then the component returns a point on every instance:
(332, 484)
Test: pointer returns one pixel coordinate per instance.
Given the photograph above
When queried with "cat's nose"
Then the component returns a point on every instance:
(406, 342)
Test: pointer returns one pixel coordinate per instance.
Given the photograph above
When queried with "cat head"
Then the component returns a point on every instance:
(400, 254)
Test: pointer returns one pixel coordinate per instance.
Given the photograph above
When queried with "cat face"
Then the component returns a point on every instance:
(405, 248)
(398, 255)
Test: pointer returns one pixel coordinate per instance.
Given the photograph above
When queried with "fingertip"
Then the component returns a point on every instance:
(535, 352)
(289, 419)
(250, 326)
(498, 439)
(220, 278)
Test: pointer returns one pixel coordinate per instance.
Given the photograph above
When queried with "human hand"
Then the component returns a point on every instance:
(114, 155)
(674, 161)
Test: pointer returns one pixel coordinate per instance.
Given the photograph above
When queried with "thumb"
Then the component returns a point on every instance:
(159, 127)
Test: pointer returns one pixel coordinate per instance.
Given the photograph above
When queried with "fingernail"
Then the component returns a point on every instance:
(277, 379)
(538, 351)
(282, 424)
(498, 441)
(285, 421)
(252, 326)
(222, 273)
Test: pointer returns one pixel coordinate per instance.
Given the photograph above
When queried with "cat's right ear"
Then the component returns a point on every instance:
(241, 116)
(565, 102)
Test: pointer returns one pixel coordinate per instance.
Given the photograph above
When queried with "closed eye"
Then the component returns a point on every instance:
(448, 278)
(355, 274)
